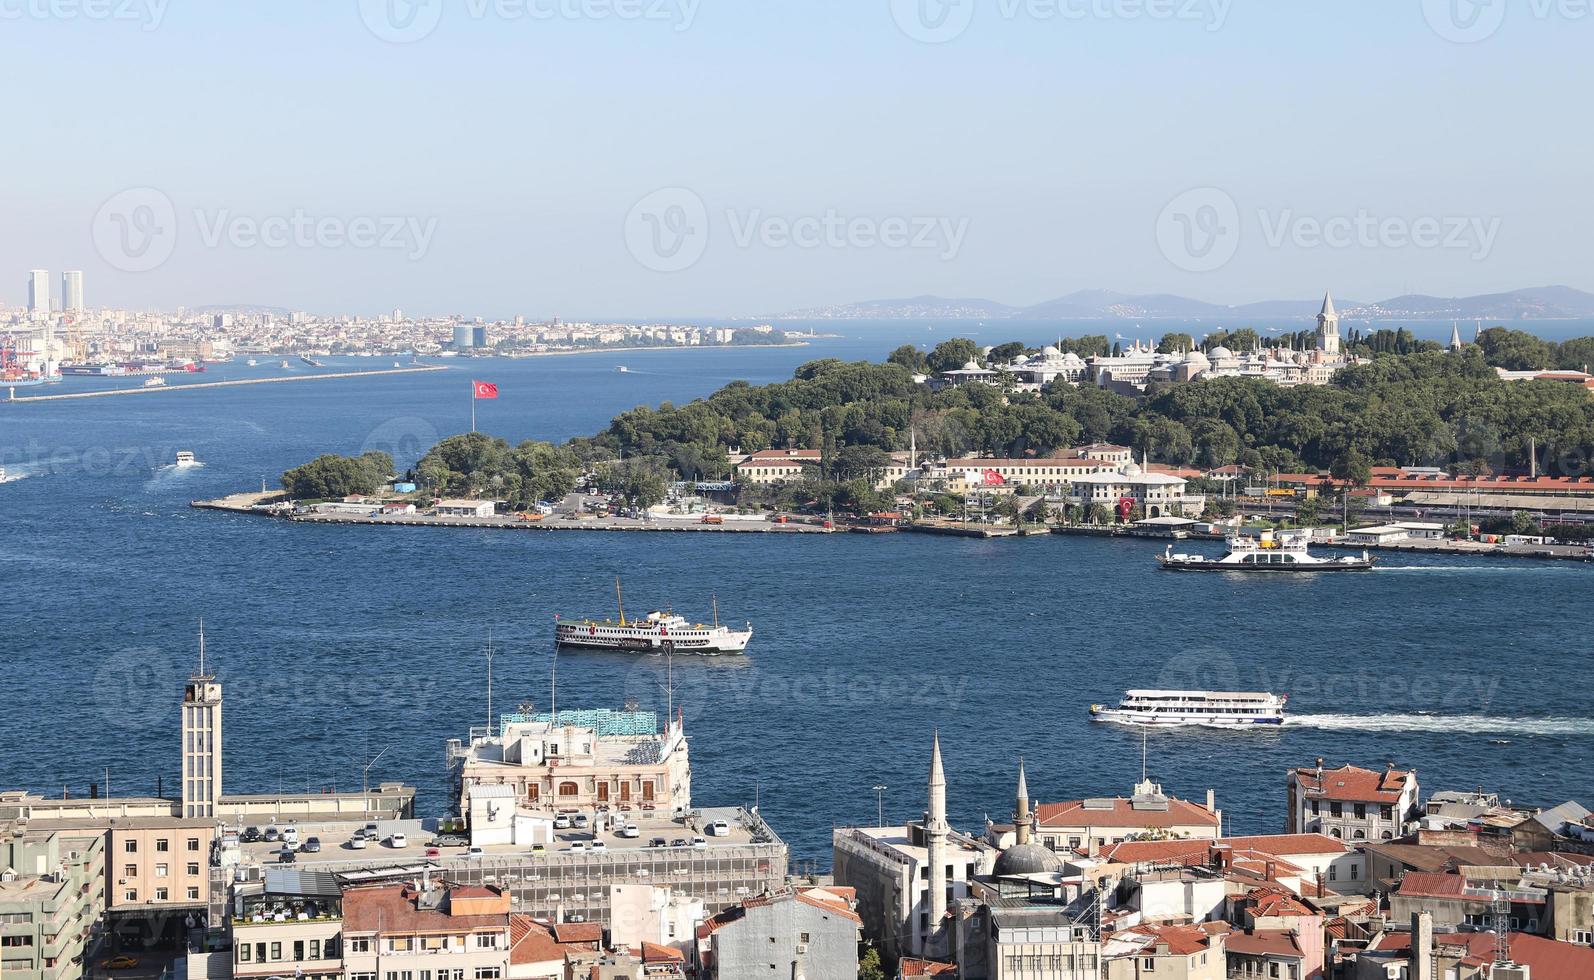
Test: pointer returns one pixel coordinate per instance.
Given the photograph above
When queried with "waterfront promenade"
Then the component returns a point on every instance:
(12, 396)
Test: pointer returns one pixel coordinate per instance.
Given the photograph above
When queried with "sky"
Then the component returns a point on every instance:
(672, 158)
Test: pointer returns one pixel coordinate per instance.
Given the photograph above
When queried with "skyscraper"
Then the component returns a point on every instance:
(39, 291)
(201, 740)
(72, 292)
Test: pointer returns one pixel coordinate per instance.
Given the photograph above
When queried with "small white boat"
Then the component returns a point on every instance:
(156, 382)
(186, 459)
(1283, 551)
(252, 362)
(623, 369)
(1206, 709)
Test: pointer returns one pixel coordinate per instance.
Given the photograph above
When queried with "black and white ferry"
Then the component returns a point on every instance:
(1282, 551)
(658, 632)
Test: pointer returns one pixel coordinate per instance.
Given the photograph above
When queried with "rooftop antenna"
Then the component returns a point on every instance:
(619, 599)
(201, 646)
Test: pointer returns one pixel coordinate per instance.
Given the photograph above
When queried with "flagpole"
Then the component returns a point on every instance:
(473, 406)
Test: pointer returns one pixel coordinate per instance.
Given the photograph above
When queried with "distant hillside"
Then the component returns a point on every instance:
(1544, 302)
(915, 308)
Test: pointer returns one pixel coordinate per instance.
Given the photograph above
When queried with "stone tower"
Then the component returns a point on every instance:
(1328, 327)
(201, 740)
(1022, 819)
(935, 834)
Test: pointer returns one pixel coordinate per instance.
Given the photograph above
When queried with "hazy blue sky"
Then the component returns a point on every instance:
(502, 158)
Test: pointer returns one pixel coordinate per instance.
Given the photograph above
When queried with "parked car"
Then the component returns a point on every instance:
(718, 828)
(312, 845)
(475, 853)
(538, 849)
(579, 847)
(658, 842)
(286, 856)
(599, 845)
(249, 836)
(679, 842)
(359, 842)
(271, 836)
(700, 843)
(119, 963)
(630, 831)
(432, 852)
(450, 840)
(398, 840)
(561, 822)
(290, 835)
(580, 821)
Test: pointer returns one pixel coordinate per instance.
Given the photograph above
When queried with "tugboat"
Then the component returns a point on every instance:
(658, 632)
(1283, 551)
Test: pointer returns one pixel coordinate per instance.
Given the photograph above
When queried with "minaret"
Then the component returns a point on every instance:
(1021, 814)
(201, 739)
(935, 833)
(1328, 326)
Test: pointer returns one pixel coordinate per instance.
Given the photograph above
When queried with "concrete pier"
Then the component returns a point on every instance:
(420, 369)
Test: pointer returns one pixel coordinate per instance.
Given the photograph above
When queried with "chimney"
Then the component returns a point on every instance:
(1271, 870)
(94, 791)
(1212, 801)
(1422, 946)
(1322, 889)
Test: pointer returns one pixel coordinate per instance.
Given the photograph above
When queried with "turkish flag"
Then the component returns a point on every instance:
(485, 389)
(994, 479)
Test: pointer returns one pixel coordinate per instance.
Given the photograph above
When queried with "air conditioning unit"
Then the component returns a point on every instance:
(802, 948)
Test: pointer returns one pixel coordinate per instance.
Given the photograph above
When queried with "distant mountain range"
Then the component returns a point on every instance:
(1544, 302)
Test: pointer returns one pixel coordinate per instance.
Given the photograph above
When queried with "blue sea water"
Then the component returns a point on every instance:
(338, 643)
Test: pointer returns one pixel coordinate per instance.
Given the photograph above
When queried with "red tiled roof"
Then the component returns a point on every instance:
(394, 909)
(532, 941)
(1181, 940)
(823, 899)
(1142, 851)
(1264, 942)
(578, 932)
(1355, 784)
(1426, 884)
(1275, 903)
(653, 953)
(909, 967)
(1288, 844)
(1180, 813)
(1545, 958)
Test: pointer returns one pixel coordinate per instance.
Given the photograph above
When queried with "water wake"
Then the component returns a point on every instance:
(1474, 724)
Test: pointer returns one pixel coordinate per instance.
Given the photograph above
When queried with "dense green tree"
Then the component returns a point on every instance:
(949, 355)
(910, 357)
(330, 477)
(1173, 343)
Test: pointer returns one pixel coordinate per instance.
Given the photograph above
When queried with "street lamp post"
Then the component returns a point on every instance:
(880, 804)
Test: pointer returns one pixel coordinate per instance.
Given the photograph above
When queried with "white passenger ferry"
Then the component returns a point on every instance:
(1283, 551)
(657, 633)
(1211, 709)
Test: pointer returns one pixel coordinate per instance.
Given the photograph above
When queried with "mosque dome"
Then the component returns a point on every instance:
(1051, 352)
(1027, 859)
(1131, 469)
(1221, 352)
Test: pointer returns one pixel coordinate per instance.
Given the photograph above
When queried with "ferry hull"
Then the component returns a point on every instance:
(581, 639)
(1151, 721)
(1295, 569)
